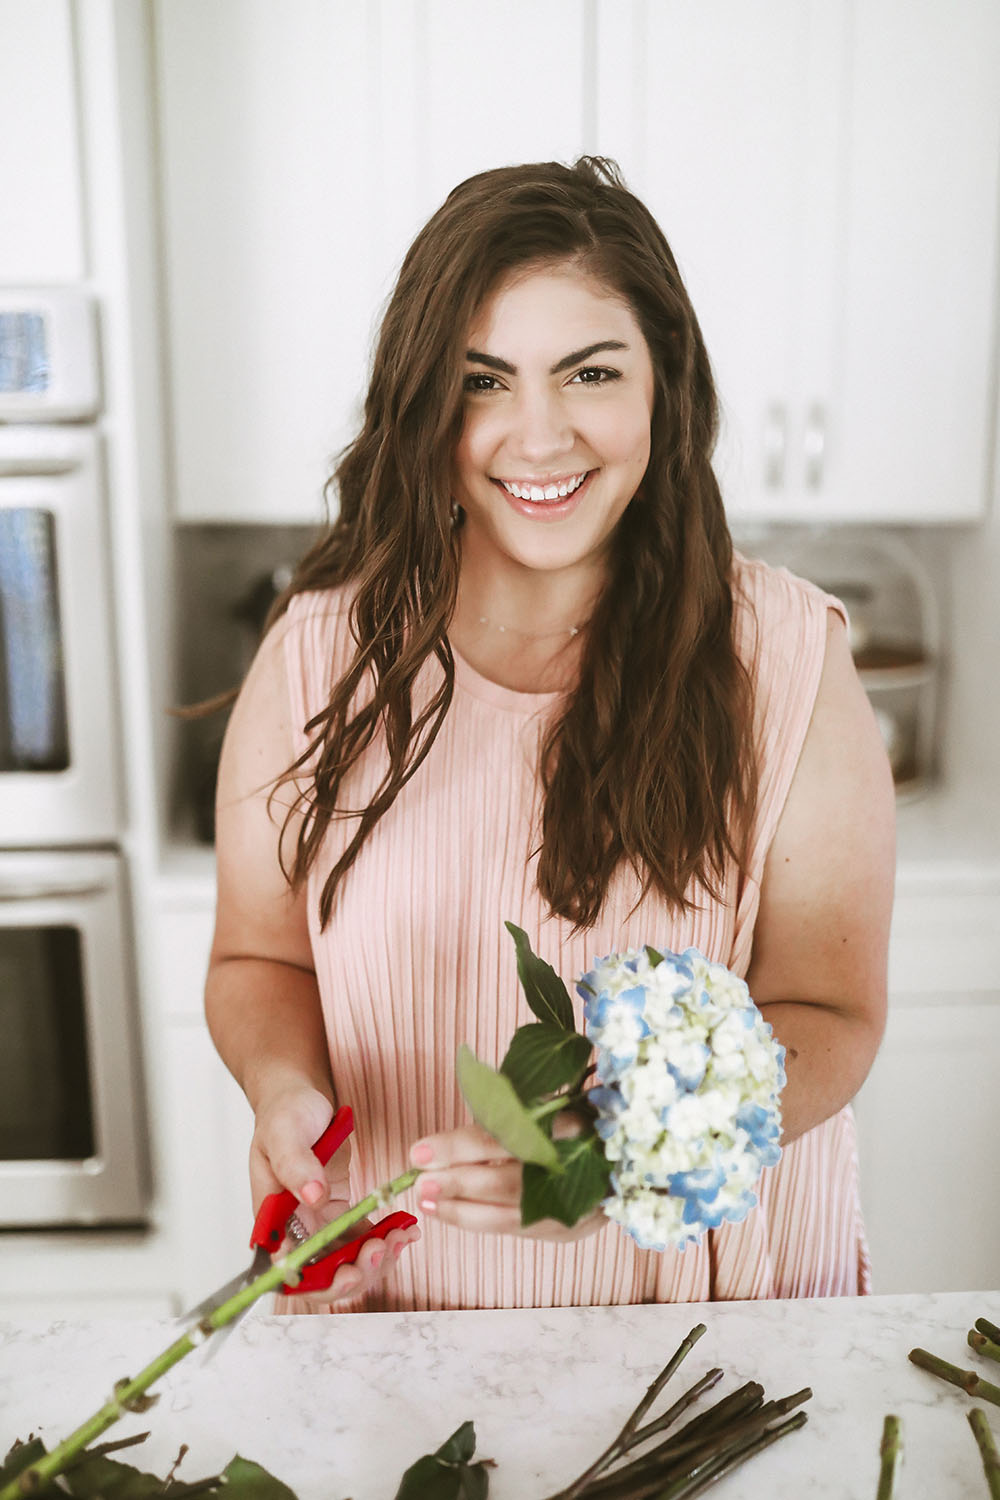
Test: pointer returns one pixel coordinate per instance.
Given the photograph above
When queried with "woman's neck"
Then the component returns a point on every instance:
(520, 629)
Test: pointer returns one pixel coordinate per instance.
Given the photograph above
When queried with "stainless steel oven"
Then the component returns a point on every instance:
(58, 726)
(71, 1122)
(72, 1135)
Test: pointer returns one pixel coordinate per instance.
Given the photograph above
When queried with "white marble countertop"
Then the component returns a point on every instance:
(339, 1407)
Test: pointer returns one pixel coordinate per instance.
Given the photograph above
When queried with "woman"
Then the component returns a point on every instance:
(524, 676)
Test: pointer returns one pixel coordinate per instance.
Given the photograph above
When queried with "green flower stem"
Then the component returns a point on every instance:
(987, 1450)
(730, 1458)
(890, 1452)
(990, 1329)
(967, 1380)
(983, 1345)
(621, 1442)
(129, 1394)
(552, 1106)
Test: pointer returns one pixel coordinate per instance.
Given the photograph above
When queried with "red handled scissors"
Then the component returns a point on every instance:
(271, 1227)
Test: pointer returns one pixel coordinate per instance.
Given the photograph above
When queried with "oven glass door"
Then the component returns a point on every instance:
(46, 1113)
(72, 1142)
(58, 762)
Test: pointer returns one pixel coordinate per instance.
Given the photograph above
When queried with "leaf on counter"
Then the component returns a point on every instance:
(94, 1476)
(249, 1481)
(543, 989)
(449, 1473)
(460, 1447)
(543, 1058)
(575, 1192)
(18, 1457)
(495, 1105)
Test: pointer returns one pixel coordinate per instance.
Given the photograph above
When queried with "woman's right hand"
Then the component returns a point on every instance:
(281, 1156)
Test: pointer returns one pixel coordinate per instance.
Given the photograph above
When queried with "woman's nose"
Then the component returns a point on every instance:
(541, 427)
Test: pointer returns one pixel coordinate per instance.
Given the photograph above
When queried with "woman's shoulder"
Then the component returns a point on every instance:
(775, 612)
(314, 605)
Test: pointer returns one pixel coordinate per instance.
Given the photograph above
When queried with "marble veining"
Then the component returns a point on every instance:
(339, 1407)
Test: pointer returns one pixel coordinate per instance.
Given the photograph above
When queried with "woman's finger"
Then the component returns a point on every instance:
(469, 1143)
(480, 1183)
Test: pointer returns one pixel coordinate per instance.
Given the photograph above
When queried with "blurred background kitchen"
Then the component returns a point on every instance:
(201, 210)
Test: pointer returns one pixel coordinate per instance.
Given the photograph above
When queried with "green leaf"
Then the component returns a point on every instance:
(249, 1481)
(448, 1474)
(569, 1197)
(460, 1447)
(543, 989)
(654, 957)
(497, 1108)
(543, 1058)
(107, 1477)
(19, 1457)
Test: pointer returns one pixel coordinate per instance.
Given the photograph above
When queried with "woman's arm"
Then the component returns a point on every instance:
(261, 997)
(818, 967)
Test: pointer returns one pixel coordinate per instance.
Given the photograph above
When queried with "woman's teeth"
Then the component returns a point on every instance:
(544, 492)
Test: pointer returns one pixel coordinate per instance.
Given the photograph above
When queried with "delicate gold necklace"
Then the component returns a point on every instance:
(529, 635)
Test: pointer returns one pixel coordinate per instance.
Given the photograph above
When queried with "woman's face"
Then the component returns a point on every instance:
(559, 393)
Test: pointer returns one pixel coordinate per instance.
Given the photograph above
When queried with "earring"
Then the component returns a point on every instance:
(456, 513)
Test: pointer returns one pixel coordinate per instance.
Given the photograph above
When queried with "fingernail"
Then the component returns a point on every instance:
(376, 1259)
(313, 1192)
(421, 1155)
(430, 1188)
(428, 1205)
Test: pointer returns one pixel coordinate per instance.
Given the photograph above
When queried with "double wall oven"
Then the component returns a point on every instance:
(72, 1139)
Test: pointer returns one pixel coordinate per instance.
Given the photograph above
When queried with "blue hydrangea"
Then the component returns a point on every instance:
(688, 1099)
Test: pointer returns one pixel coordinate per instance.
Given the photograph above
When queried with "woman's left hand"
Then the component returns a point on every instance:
(472, 1182)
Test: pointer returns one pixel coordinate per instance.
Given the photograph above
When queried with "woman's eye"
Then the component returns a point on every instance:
(596, 375)
(479, 381)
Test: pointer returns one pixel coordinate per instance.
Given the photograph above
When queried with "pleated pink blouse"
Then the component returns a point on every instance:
(416, 960)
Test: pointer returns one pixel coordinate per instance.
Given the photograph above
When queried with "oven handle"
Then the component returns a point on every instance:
(40, 467)
(41, 890)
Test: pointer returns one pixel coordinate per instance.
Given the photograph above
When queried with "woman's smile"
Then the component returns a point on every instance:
(546, 499)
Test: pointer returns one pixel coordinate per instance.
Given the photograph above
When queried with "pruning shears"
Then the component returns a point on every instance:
(276, 1219)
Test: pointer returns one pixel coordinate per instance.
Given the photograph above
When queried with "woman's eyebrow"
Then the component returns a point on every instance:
(504, 367)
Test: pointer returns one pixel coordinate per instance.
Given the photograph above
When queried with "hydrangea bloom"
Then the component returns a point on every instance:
(688, 1100)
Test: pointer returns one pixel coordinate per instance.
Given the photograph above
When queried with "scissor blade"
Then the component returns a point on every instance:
(222, 1294)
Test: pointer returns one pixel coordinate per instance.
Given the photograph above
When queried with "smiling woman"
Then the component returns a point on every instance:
(525, 677)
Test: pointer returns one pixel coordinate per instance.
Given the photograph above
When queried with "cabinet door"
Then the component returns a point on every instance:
(303, 146)
(921, 249)
(41, 226)
(726, 120)
(927, 1117)
(827, 174)
(206, 1142)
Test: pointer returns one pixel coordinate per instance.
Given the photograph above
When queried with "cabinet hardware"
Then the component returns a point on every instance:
(774, 447)
(814, 444)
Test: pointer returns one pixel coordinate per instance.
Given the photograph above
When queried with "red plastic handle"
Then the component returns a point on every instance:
(277, 1208)
(317, 1275)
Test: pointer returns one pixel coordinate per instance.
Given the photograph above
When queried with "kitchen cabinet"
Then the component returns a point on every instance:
(928, 1112)
(302, 148)
(41, 226)
(827, 174)
(205, 1122)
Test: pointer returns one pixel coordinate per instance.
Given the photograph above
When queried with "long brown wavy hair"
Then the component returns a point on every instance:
(651, 762)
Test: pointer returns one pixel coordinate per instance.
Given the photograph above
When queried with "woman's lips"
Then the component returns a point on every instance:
(546, 510)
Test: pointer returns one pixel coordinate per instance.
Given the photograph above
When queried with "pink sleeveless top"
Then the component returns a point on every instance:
(416, 960)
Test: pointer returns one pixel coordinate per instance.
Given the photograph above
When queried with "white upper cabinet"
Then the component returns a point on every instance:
(41, 220)
(303, 145)
(827, 174)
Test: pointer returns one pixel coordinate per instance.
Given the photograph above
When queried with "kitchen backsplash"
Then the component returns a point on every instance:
(227, 574)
